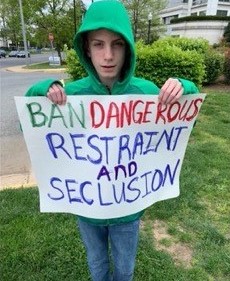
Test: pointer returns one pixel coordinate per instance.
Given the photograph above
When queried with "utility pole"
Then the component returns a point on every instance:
(74, 16)
(23, 32)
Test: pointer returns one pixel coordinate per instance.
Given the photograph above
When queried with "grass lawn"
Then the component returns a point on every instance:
(44, 65)
(182, 239)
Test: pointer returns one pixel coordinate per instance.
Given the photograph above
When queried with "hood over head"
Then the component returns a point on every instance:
(111, 15)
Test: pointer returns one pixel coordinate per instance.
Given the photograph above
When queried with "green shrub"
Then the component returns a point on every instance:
(158, 63)
(186, 44)
(214, 62)
(200, 18)
(73, 66)
(226, 34)
(226, 70)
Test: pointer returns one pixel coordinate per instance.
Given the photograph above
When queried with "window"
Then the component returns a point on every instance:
(221, 13)
(202, 13)
(199, 2)
(224, 1)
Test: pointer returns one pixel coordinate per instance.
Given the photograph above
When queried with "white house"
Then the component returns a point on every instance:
(210, 30)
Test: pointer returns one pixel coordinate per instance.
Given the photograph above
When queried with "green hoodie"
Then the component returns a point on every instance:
(115, 19)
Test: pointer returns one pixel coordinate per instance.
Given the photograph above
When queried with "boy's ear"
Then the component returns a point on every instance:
(88, 53)
(86, 48)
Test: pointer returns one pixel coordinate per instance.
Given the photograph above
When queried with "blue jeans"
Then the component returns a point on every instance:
(123, 240)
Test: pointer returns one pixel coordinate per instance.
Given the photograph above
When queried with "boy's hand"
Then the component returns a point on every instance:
(56, 94)
(171, 91)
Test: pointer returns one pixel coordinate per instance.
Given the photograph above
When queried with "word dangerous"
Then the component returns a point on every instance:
(113, 114)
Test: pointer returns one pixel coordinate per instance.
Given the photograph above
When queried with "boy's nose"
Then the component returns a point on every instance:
(108, 53)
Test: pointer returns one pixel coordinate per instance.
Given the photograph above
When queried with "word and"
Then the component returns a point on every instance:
(140, 186)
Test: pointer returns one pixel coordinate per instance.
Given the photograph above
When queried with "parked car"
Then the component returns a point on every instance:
(2, 53)
(22, 54)
(13, 54)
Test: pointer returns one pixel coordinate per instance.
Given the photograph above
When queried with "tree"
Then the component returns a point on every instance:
(10, 22)
(139, 10)
(57, 17)
(41, 18)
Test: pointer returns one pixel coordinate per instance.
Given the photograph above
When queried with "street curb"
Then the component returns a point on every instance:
(21, 69)
(13, 181)
(22, 180)
(17, 181)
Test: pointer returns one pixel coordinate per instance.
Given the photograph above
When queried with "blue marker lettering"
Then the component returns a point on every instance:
(52, 182)
(53, 138)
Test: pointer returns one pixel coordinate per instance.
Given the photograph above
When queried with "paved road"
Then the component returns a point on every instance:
(35, 58)
(15, 162)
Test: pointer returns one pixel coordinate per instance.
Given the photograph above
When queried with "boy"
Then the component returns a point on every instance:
(105, 46)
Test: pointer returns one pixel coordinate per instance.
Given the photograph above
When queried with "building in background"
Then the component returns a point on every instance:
(212, 30)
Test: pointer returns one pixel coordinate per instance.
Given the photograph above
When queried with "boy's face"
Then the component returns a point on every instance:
(107, 52)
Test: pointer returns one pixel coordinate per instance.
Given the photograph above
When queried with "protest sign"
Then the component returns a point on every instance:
(106, 156)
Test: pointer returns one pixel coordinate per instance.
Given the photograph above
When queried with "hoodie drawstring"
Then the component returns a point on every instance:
(109, 90)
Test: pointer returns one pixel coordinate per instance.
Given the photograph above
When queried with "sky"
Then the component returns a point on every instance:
(87, 2)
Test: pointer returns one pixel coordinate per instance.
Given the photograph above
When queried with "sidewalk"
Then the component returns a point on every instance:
(17, 181)
(22, 69)
(22, 179)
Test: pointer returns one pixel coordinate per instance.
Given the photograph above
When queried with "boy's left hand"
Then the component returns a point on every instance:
(171, 91)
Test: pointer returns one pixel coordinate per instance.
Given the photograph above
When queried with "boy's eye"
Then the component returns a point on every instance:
(119, 43)
(97, 44)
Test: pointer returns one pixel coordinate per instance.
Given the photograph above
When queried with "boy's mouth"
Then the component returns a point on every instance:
(108, 66)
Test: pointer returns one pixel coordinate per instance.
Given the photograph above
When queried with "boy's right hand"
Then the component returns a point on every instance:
(56, 94)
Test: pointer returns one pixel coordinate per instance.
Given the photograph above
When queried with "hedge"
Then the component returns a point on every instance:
(199, 45)
(158, 63)
(73, 66)
(213, 60)
(226, 70)
(200, 18)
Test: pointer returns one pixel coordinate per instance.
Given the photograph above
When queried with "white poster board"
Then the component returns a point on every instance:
(106, 156)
